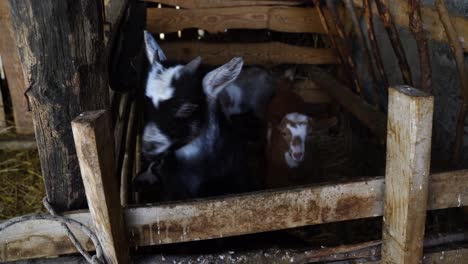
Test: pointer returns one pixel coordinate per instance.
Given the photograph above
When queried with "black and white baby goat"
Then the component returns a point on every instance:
(186, 123)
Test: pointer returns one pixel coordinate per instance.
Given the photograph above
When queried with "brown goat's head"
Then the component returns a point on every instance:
(294, 129)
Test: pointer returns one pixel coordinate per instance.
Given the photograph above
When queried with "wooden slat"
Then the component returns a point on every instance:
(409, 137)
(285, 19)
(194, 4)
(94, 147)
(235, 215)
(258, 53)
(430, 19)
(14, 73)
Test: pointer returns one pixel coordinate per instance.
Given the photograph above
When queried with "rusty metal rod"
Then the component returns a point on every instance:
(416, 28)
(346, 52)
(392, 32)
(367, 54)
(375, 47)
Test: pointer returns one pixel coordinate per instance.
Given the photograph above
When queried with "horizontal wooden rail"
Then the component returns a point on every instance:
(253, 53)
(233, 215)
(194, 4)
(365, 252)
(430, 19)
(285, 19)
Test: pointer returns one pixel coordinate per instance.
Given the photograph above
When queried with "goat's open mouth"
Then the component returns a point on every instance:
(294, 158)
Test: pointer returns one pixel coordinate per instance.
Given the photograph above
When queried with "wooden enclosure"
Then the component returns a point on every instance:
(97, 140)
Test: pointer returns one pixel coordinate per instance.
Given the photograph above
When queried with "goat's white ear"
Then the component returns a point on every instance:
(154, 53)
(218, 79)
(193, 65)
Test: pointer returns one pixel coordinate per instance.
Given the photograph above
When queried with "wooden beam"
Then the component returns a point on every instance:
(311, 93)
(374, 120)
(409, 137)
(285, 19)
(72, 78)
(95, 149)
(229, 216)
(430, 20)
(197, 4)
(14, 73)
(258, 53)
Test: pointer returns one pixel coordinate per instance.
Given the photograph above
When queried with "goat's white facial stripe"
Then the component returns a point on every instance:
(153, 136)
(296, 117)
(158, 86)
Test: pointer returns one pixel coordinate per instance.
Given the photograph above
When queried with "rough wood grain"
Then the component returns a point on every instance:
(210, 218)
(285, 19)
(196, 4)
(14, 73)
(258, 53)
(409, 134)
(374, 120)
(69, 80)
(430, 19)
(95, 149)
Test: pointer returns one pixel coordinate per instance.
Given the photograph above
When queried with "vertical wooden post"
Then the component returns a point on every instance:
(64, 59)
(409, 132)
(95, 149)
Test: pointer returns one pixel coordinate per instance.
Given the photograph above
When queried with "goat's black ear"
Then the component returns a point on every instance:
(218, 79)
(154, 53)
(193, 65)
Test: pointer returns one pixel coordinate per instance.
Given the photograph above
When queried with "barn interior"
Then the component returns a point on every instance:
(343, 58)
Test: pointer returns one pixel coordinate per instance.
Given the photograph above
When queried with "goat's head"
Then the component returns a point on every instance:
(294, 128)
(178, 99)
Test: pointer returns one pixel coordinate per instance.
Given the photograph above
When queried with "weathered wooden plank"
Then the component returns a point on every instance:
(72, 78)
(95, 149)
(225, 216)
(285, 19)
(258, 53)
(430, 19)
(409, 135)
(14, 73)
(374, 120)
(196, 4)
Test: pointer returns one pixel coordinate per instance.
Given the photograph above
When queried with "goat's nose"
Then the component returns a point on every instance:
(297, 155)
